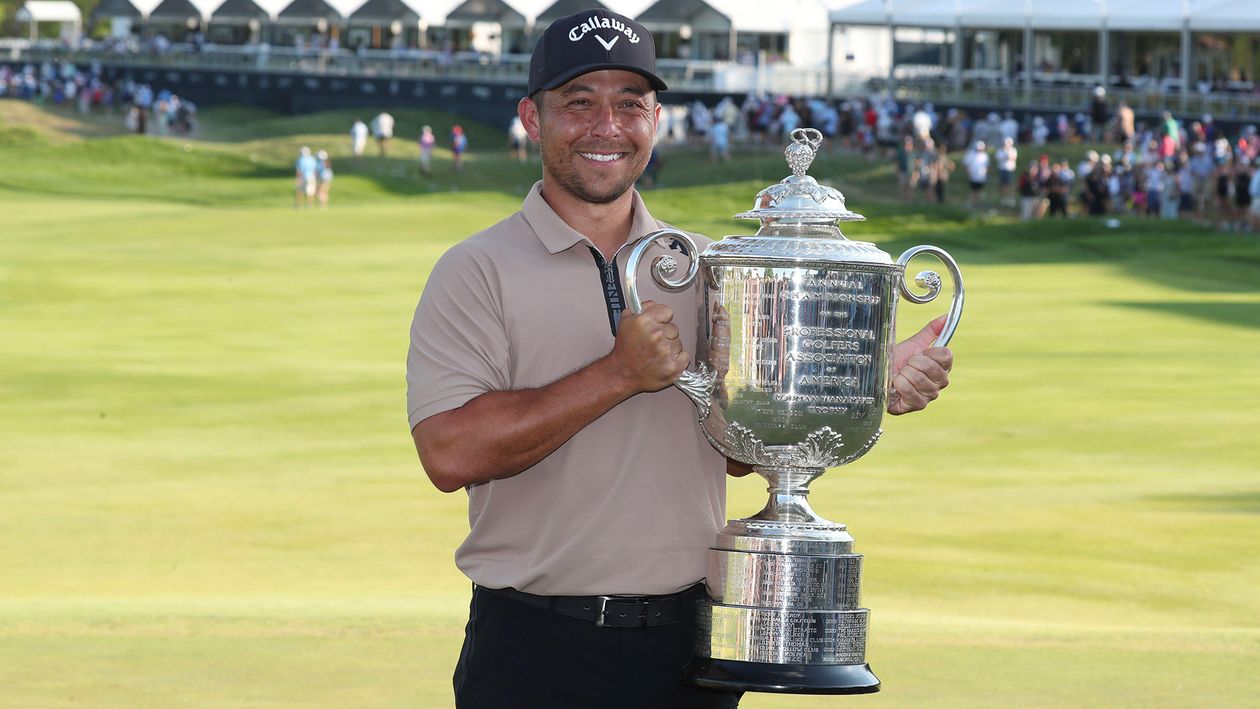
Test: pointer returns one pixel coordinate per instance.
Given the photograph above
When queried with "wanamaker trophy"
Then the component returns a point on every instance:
(791, 376)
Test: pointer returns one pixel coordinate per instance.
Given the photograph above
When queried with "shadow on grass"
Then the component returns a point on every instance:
(1235, 503)
(1237, 314)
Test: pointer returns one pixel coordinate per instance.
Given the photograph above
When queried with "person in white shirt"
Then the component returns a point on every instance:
(383, 130)
(358, 138)
(1007, 162)
(976, 161)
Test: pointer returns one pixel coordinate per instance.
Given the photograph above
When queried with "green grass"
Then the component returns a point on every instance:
(208, 496)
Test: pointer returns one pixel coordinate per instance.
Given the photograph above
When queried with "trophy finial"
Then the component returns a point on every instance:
(801, 151)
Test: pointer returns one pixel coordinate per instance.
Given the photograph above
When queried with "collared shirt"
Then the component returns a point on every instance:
(631, 503)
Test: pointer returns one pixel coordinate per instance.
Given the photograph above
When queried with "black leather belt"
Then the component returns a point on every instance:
(614, 611)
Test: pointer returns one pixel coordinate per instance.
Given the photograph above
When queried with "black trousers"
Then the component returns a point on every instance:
(520, 657)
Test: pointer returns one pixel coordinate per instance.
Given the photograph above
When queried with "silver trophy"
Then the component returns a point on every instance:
(791, 376)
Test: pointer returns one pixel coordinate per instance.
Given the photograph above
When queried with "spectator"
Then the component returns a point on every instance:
(1242, 194)
(383, 130)
(305, 177)
(1253, 189)
(905, 167)
(1007, 162)
(427, 140)
(518, 139)
(1057, 190)
(358, 138)
(1099, 113)
(942, 168)
(1124, 123)
(1156, 185)
(976, 162)
(325, 178)
(1030, 192)
(720, 141)
(459, 144)
(1096, 193)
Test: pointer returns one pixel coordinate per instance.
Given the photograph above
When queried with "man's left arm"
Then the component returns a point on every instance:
(920, 372)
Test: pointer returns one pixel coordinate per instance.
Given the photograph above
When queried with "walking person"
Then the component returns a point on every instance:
(383, 131)
(305, 178)
(358, 139)
(459, 144)
(426, 141)
(532, 390)
(325, 176)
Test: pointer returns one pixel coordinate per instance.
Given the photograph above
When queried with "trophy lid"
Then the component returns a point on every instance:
(798, 198)
(798, 220)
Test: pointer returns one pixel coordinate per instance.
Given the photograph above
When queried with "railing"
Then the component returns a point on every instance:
(1068, 93)
(1050, 92)
(682, 75)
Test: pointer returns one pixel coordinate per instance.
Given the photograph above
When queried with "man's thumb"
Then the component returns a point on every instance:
(923, 338)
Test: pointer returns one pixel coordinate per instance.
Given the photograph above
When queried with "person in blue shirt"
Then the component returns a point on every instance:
(306, 178)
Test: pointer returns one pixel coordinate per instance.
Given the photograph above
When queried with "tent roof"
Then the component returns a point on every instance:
(564, 8)
(239, 11)
(471, 11)
(716, 16)
(49, 11)
(116, 8)
(1226, 16)
(174, 11)
(304, 11)
(383, 12)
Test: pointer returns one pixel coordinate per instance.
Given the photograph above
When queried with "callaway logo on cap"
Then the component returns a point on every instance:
(590, 41)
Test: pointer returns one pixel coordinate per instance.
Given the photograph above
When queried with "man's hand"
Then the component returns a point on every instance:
(647, 352)
(920, 371)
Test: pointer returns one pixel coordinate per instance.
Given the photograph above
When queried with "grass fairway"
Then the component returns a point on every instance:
(208, 496)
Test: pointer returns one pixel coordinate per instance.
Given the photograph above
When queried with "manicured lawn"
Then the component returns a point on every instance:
(208, 495)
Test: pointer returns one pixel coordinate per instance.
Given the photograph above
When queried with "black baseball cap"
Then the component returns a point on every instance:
(590, 41)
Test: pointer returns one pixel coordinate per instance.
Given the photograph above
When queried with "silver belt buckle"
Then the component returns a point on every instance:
(603, 609)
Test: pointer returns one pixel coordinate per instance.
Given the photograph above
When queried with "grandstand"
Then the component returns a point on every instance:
(976, 53)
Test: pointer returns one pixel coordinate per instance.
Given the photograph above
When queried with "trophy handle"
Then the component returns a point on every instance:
(698, 385)
(932, 282)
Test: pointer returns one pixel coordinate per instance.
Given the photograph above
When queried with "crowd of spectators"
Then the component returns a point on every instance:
(63, 84)
(1190, 169)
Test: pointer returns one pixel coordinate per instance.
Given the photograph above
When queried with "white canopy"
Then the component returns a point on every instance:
(1225, 16)
(49, 11)
(1083, 15)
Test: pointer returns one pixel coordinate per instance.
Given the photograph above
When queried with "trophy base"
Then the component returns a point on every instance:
(734, 675)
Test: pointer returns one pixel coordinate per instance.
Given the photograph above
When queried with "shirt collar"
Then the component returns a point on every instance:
(558, 236)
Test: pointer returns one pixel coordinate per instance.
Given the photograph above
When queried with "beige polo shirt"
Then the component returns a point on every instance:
(631, 503)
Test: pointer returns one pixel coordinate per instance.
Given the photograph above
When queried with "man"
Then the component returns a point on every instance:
(383, 130)
(358, 139)
(977, 163)
(305, 178)
(593, 495)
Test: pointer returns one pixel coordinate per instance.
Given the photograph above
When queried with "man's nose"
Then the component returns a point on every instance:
(606, 122)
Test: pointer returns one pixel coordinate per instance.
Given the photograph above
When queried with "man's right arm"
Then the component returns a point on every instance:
(499, 434)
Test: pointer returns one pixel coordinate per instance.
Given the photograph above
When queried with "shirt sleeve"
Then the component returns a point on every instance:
(459, 348)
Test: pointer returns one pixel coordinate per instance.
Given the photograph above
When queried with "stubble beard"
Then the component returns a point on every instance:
(570, 181)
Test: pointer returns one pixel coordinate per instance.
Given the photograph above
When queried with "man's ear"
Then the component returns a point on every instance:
(527, 109)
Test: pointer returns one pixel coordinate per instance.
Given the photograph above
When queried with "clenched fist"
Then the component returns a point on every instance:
(647, 352)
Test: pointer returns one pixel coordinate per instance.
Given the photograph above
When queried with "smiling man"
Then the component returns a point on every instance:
(592, 493)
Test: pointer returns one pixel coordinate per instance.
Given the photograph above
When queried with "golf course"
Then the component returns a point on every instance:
(209, 496)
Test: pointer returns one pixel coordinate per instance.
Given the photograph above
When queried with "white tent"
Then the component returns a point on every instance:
(1225, 16)
(62, 12)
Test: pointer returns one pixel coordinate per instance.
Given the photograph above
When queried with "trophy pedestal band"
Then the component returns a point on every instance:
(798, 582)
(732, 675)
(787, 637)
